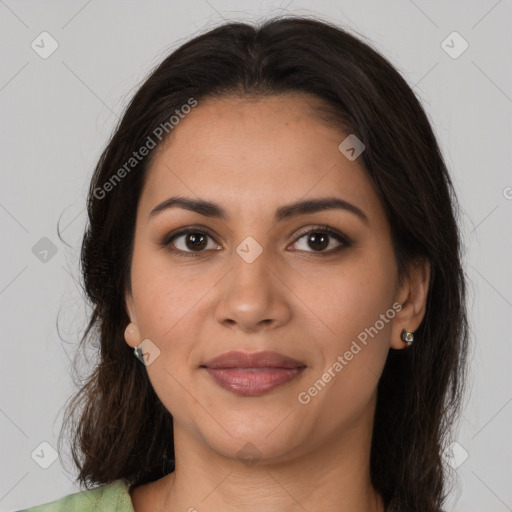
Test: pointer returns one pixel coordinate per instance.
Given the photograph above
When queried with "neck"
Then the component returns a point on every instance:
(336, 473)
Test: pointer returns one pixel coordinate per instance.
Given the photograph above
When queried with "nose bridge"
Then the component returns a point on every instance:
(253, 232)
(255, 255)
(252, 294)
(251, 267)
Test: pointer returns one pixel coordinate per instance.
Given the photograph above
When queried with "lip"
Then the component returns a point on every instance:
(265, 359)
(252, 374)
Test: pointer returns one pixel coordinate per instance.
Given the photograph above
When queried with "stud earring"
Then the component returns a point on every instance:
(407, 337)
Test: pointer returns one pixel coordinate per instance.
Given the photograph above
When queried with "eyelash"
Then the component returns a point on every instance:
(325, 230)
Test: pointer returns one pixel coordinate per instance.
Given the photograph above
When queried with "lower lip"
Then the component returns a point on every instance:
(253, 381)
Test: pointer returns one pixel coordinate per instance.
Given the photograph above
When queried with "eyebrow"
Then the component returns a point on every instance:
(210, 209)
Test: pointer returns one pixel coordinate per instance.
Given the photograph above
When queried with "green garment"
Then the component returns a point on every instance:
(113, 497)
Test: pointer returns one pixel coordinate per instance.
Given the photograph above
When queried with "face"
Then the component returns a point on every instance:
(316, 286)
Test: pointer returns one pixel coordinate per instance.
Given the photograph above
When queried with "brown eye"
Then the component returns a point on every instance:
(319, 239)
(195, 241)
(189, 242)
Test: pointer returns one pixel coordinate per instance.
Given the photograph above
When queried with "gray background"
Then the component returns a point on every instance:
(58, 112)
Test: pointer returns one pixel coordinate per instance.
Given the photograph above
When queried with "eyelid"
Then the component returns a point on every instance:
(187, 229)
(322, 228)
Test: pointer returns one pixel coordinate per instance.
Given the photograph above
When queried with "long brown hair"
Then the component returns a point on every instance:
(119, 427)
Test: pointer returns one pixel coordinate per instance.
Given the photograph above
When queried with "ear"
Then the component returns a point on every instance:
(130, 306)
(412, 295)
(132, 332)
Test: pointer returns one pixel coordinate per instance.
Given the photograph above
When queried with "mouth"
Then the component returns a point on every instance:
(252, 374)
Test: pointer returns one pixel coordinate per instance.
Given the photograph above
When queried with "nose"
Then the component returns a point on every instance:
(254, 296)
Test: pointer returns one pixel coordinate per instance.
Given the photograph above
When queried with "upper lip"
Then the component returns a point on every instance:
(266, 359)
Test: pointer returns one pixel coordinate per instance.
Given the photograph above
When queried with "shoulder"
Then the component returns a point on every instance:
(113, 497)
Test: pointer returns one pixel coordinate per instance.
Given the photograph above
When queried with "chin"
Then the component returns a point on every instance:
(254, 448)
(252, 436)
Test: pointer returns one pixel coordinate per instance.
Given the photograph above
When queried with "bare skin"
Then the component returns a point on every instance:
(250, 158)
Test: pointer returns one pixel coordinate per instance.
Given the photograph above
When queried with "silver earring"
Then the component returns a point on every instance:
(137, 351)
(408, 337)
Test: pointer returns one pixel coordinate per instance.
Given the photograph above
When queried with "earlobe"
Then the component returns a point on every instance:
(132, 335)
(413, 295)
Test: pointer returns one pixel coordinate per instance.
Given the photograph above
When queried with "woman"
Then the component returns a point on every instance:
(274, 265)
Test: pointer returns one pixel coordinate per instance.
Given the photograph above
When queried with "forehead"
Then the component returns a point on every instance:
(256, 151)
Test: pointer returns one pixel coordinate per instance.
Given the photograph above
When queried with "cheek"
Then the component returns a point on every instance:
(165, 292)
(173, 306)
(168, 304)
(354, 303)
(348, 297)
